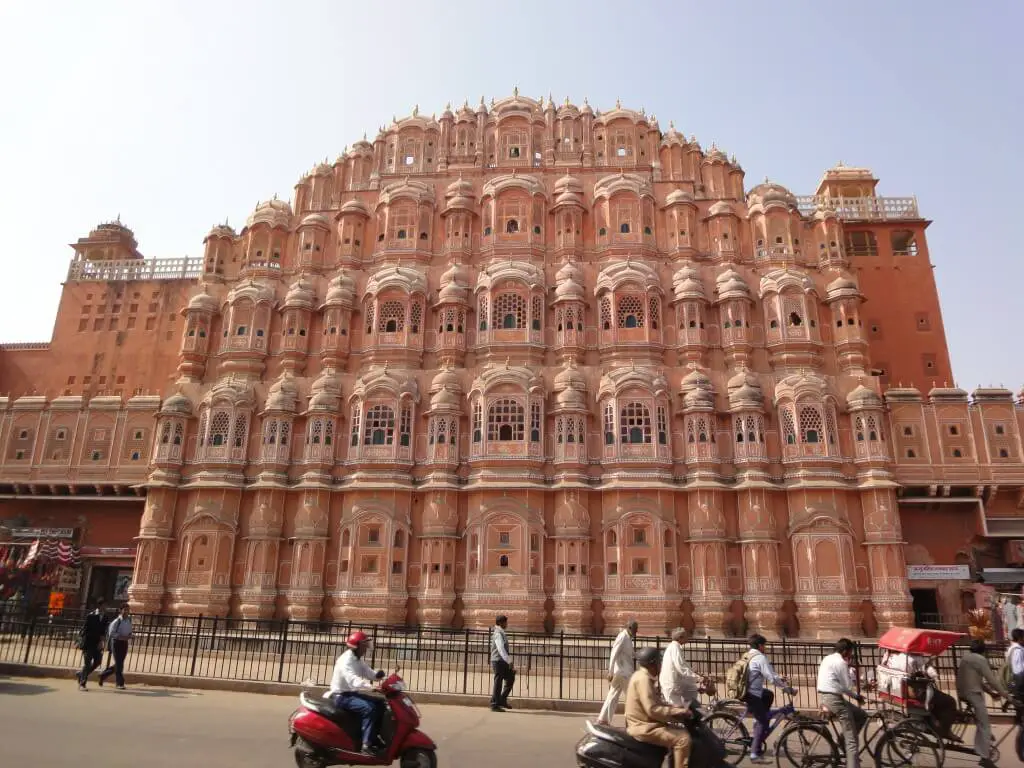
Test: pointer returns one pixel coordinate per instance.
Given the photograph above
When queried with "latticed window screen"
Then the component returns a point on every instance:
(609, 424)
(355, 425)
(509, 311)
(811, 424)
(391, 317)
(625, 219)
(535, 422)
(560, 430)
(662, 425)
(654, 311)
(165, 433)
(697, 430)
(581, 430)
(369, 317)
(793, 310)
(606, 313)
(179, 434)
(482, 312)
(635, 423)
(315, 435)
(380, 426)
(630, 311)
(788, 425)
(241, 426)
(285, 432)
(269, 432)
(432, 429)
(750, 428)
(513, 216)
(477, 422)
(874, 430)
(506, 420)
(405, 425)
(537, 312)
(831, 430)
(402, 223)
(219, 426)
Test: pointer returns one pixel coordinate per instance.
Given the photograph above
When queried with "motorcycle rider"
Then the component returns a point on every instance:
(351, 681)
(648, 717)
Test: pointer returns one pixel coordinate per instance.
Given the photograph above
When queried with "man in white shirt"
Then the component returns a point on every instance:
(834, 684)
(118, 634)
(352, 680)
(621, 666)
(679, 683)
(1015, 658)
(758, 698)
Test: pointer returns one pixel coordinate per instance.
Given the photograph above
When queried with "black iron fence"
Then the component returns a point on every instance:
(557, 666)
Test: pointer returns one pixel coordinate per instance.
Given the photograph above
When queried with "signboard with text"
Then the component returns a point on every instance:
(938, 572)
(42, 533)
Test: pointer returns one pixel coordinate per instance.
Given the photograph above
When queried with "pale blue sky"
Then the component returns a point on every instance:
(176, 115)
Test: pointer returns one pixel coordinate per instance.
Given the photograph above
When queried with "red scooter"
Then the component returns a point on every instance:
(324, 735)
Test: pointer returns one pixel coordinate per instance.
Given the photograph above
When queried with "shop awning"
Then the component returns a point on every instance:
(1003, 576)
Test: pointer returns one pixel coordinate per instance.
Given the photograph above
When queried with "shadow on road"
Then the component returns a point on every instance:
(162, 693)
(23, 689)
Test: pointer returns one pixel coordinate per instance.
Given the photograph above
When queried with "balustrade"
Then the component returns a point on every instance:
(861, 208)
(135, 269)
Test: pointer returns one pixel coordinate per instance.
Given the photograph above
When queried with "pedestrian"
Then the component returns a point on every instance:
(834, 685)
(620, 669)
(118, 635)
(680, 685)
(501, 663)
(90, 642)
(975, 678)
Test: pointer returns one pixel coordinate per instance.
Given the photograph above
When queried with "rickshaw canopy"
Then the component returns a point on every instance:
(925, 642)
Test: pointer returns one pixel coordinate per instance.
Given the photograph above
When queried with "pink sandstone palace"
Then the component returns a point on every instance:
(531, 358)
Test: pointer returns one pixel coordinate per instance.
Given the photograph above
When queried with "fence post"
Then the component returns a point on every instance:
(31, 634)
(561, 664)
(284, 646)
(465, 663)
(195, 645)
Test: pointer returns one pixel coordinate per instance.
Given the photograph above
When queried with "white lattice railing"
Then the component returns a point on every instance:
(860, 208)
(136, 269)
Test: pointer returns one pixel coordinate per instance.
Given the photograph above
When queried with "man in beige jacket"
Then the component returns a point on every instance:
(975, 678)
(648, 717)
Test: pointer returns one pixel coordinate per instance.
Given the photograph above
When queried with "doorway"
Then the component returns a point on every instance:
(926, 608)
(109, 583)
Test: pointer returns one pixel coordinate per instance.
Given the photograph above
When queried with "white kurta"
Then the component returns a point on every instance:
(679, 683)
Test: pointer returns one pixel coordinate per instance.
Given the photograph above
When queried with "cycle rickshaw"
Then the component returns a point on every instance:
(906, 682)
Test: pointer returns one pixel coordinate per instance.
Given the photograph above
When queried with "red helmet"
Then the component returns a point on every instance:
(356, 638)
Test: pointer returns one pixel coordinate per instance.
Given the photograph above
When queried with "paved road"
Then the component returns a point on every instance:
(50, 723)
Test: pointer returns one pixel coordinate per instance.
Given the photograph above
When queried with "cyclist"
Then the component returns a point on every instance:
(758, 698)
(833, 685)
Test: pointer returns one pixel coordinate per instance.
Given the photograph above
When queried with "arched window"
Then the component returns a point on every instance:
(630, 311)
(219, 426)
(635, 423)
(811, 425)
(380, 426)
(506, 421)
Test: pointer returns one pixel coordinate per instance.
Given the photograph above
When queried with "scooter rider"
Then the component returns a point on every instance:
(351, 681)
(648, 717)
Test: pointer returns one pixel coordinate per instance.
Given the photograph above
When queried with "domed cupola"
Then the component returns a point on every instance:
(283, 394)
(325, 394)
(731, 285)
(341, 291)
(273, 213)
(686, 284)
(300, 295)
(569, 191)
(569, 283)
(570, 387)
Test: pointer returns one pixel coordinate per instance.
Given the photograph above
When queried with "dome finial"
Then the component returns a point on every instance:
(416, 110)
(515, 91)
(618, 104)
(508, 363)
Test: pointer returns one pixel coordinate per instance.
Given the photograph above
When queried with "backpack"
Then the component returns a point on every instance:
(736, 678)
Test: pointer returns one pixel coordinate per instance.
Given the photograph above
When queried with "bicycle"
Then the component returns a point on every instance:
(819, 742)
(732, 730)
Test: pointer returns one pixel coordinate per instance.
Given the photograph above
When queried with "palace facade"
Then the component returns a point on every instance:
(523, 358)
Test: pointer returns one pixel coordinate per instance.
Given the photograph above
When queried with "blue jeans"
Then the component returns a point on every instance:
(369, 712)
(759, 708)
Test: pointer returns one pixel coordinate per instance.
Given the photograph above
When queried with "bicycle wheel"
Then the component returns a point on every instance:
(910, 744)
(733, 733)
(806, 745)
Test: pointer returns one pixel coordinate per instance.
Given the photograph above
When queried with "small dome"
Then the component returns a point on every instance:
(453, 287)
(715, 155)
(699, 398)
(273, 213)
(743, 378)
(445, 398)
(570, 387)
(283, 394)
(862, 397)
(686, 284)
(446, 378)
(721, 208)
(177, 403)
(202, 302)
(572, 517)
(746, 396)
(326, 391)
(679, 197)
(731, 285)
(317, 220)
(221, 230)
(341, 290)
(300, 294)
(355, 206)
(695, 379)
(770, 194)
(586, 109)
(568, 183)
(842, 285)
(460, 188)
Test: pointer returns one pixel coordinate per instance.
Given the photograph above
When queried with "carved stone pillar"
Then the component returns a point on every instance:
(759, 543)
(708, 551)
(148, 589)
(305, 592)
(435, 595)
(883, 539)
(261, 549)
(572, 596)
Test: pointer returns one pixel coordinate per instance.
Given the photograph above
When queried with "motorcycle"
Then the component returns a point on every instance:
(604, 746)
(324, 735)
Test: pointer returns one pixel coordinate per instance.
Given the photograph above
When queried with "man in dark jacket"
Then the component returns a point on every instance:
(91, 640)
